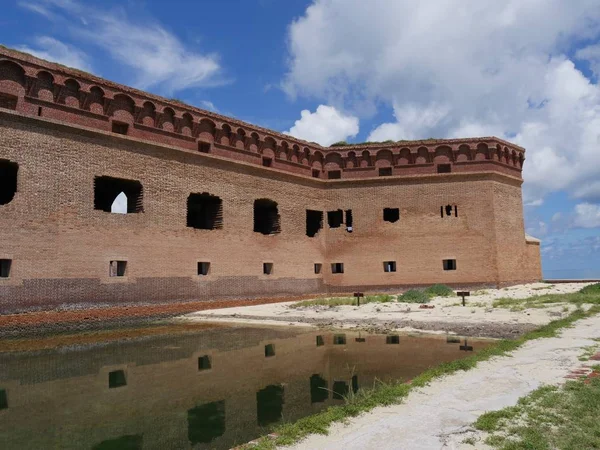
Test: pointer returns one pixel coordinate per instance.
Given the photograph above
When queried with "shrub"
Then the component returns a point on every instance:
(414, 296)
(439, 290)
(591, 289)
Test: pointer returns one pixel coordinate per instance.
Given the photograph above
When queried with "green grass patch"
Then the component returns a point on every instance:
(382, 394)
(439, 290)
(549, 418)
(593, 289)
(340, 301)
(587, 295)
(414, 296)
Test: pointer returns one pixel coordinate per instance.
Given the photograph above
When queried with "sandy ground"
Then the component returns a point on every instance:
(439, 416)
(478, 318)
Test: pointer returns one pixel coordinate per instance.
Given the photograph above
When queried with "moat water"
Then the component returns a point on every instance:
(192, 386)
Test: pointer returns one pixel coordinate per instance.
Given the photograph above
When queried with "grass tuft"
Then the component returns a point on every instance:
(593, 289)
(414, 296)
(341, 301)
(439, 290)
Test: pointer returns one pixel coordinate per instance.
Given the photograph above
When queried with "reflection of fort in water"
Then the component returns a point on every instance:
(212, 389)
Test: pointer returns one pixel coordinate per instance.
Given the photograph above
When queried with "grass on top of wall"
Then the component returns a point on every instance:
(382, 394)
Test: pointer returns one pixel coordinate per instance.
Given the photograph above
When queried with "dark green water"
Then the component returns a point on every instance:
(191, 388)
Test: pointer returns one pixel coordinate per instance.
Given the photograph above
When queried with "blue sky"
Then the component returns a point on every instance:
(330, 70)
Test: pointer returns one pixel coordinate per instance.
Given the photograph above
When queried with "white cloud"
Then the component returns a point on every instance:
(54, 50)
(454, 68)
(325, 126)
(591, 54)
(156, 56)
(587, 215)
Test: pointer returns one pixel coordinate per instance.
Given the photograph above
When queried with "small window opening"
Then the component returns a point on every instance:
(391, 214)
(120, 128)
(203, 268)
(107, 189)
(116, 379)
(269, 404)
(40, 111)
(204, 363)
(269, 350)
(267, 268)
(266, 217)
(318, 268)
(455, 211)
(349, 222)
(335, 218)
(267, 162)
(320, 341)
(337, 267)
(340, 390)
(448, 209)
(449, 264)
(8, 181)
(360, 339)
(3, 399)
(385, 171)
(389, 266)
(444, 168)
(355, 383)
(118, 268)
(203, 147)
(8, 101)
(318, 389)
(339, 339)
(316, 173)
(334, 174)
(394, 339)
(314, 222)
(204, 212)
(5, 265)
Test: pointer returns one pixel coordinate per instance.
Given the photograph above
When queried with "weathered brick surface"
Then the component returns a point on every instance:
(61, 246)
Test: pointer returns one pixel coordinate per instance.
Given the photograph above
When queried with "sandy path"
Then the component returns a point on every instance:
(436, 416)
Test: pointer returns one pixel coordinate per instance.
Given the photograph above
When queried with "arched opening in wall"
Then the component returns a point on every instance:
(318, 389)
(107, 189)
(204, 211)
(266, 217)
(119, 206)
(8, 101)
(314, 222)
(269, 404)
(8, 180)
(391, 214)
(206, 422)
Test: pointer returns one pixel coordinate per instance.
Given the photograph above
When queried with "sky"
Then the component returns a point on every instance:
(330, 70)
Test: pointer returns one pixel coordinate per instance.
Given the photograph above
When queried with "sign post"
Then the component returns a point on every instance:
(463, 294)
(358, 295)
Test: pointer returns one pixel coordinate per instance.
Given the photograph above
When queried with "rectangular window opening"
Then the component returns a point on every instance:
(269, 350)
(5, 265)
(394, 339)
(117, 195)
(318, 268)
(203, 147)
(337, 267)
(204, 212)
(316, 173)
(118, 268)
(116, 379)
(267, 268)
(8, 180)
(335, 218)
(389, 266)
(314, 222)
(391, 214)
(339, 339)
(320, 341)
(334, 174)
(203, 268)
(444, 168)
(8, 101)
(3, 399)
(266, 217)
(349, 222)
(385, 171)
(449, 264)
(360, 339)
(267, 162)
(340, 390)
(455, 211)
(204, 363)
(120, 127)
